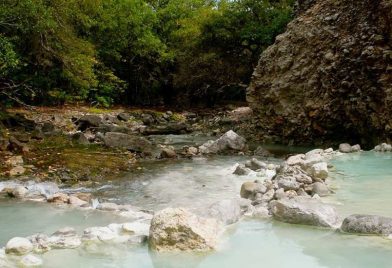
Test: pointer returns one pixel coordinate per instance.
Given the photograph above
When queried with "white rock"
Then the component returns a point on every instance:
(229, 141)
(345, 148)
(97, 234)
(18, 246)
(304, 210)
(75, 201)
(137, 228)
(356, 148)
(295, 160)
(319, 170)
(176, 229)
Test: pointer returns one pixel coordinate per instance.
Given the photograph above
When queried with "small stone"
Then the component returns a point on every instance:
(66, 231)
(241, 170)
(250, 189)
(17, 192)
(319, 170)
(168, 153)
(75, 201)
(288, 183)
(14, 161)
(17, 171)
(58, 198)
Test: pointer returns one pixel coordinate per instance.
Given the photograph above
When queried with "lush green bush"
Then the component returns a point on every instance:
(133, 51)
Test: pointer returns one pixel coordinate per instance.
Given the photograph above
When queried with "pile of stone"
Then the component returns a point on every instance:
(293, 194)
(347, 148)
(25, 251)
(383, 147)
(49, 192)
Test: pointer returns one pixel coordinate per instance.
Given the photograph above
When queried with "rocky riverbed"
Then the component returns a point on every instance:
(225, 197)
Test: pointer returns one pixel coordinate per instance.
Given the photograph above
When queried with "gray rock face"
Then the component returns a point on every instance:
(304, 210)
(229, 141)
(176, 229)
(305, 87)
(132, 143)
(226, 211)
(367, 224)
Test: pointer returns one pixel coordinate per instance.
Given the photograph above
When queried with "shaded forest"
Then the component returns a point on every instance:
(133, 52)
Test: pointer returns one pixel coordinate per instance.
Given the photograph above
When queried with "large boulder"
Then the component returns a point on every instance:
(304, 210)
(129, 142)
(367, 224)
(228, 141)
(328, 77)
(176, 229)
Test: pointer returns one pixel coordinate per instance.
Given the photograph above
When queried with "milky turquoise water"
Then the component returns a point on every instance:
(362, 182)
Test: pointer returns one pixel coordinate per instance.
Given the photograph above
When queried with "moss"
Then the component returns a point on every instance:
(178, 117)
(95, 110)
(92, 162)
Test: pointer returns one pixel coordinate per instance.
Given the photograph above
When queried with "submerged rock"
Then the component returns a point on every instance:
(367, 224)
(31, 261)
(176, 229)
(227, 211)
(304, 210)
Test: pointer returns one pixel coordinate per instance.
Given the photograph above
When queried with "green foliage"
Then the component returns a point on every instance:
(8, 57)
(134, 51)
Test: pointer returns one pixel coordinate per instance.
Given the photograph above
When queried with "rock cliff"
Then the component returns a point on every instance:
(328, 77)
